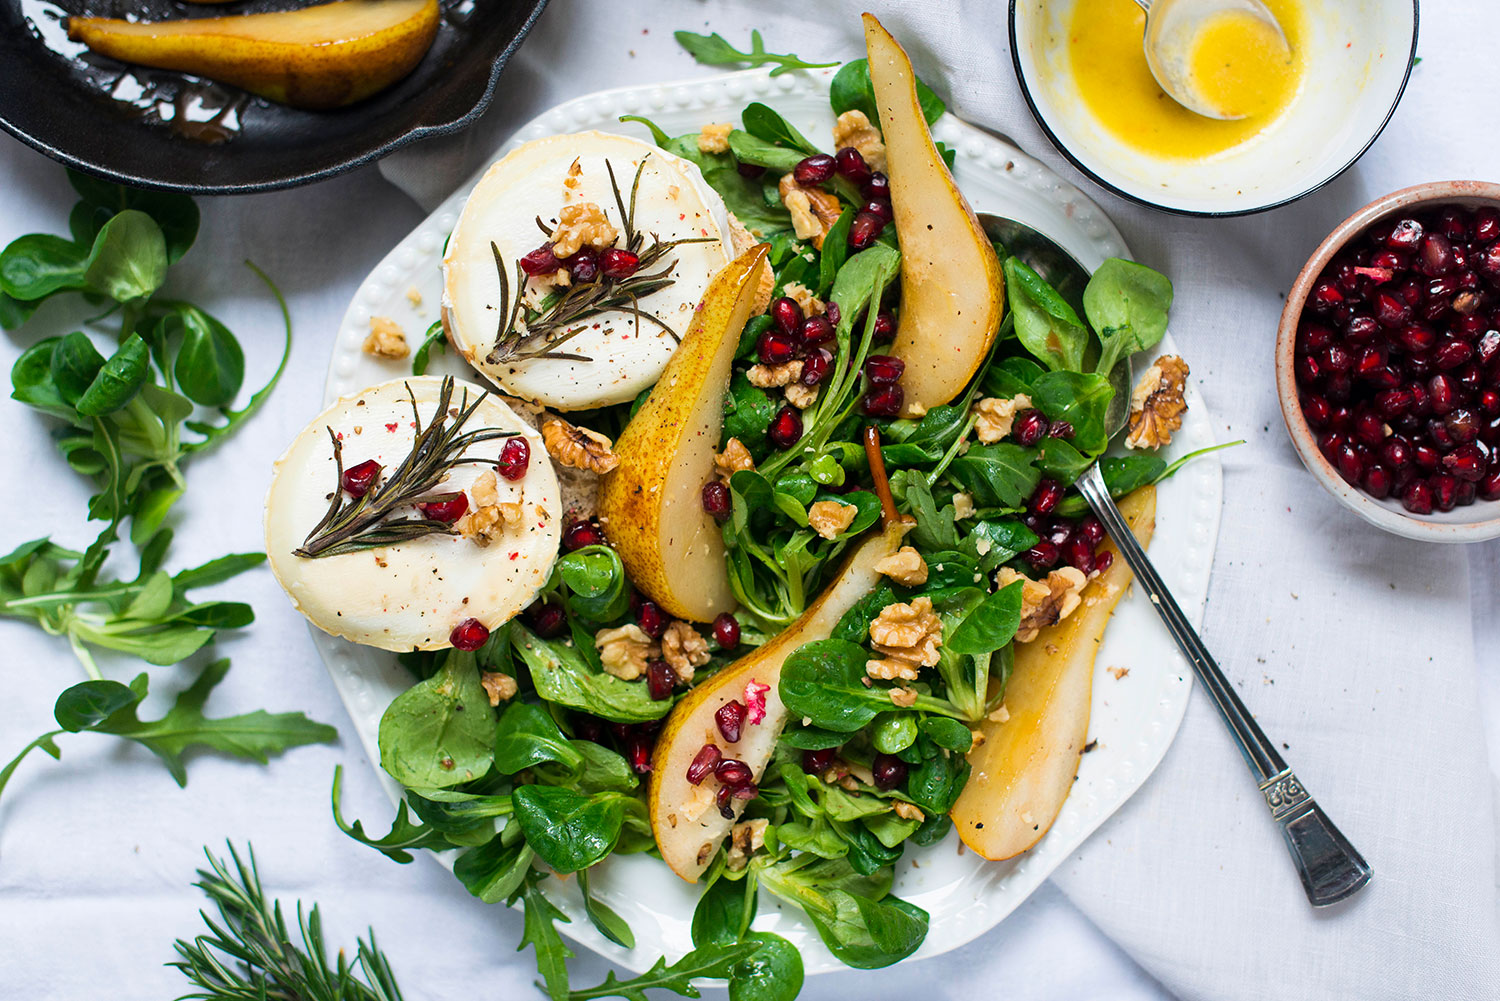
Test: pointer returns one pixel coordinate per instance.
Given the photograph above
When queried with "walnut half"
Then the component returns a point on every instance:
(908, 637)
(1157, 405)
(579, 447)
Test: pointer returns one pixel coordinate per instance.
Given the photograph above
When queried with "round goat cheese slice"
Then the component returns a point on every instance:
(410, 595)
(613, 353)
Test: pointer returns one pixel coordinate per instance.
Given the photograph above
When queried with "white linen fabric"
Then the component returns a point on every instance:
(1356, 649)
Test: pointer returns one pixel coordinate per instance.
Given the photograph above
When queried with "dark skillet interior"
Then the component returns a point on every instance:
(168, 130)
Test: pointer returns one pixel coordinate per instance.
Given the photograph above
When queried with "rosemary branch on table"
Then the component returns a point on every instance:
(248, 953)
(370, 521)
(561, 317)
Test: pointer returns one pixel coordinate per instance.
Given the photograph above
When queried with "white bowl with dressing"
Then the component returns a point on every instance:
(1356, 57)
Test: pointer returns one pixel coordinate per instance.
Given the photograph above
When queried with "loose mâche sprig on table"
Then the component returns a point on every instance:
(131, 422)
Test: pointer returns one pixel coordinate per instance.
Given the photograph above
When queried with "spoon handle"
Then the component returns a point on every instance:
(1330, 867)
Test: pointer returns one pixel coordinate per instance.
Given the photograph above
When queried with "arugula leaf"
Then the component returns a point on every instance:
(403, 834)
(436, 340)
(851, 90)
(742, 195)
(1126, 304)
(539, 930)
(713, 50)
(1081, 399)
(439, 732)
(1045, 324)
(998, 475)
(767, 124)
(993, 542)
(761, 967)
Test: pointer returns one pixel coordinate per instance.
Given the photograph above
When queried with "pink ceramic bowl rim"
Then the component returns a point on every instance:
(1474, 523)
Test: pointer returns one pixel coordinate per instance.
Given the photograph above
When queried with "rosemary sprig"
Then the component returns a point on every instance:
(564, 315)
(249, 955)
(370, 522)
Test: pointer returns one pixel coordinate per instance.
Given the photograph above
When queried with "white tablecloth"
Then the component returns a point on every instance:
(1340, 638)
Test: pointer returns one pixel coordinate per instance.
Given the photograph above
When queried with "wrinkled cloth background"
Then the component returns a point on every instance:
(1372, 658)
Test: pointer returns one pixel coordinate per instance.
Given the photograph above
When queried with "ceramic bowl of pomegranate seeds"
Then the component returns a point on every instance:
(1388, 362)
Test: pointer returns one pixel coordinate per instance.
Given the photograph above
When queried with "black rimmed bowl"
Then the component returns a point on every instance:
(159, 129)
(1359, 56)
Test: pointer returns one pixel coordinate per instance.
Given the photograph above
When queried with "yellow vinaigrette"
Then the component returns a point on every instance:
(1236, 62)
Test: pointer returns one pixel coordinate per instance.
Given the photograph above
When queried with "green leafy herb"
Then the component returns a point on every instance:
(539, 930)
(851, 90)
(608, 923)
(1045, 324)
(1127, 305)
(563, 676)
(439, 732)
(824, 682)
(404, 836)
(713, 50)
(435, 340)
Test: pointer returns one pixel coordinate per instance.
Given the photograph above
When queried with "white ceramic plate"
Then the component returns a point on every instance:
(1134, 718)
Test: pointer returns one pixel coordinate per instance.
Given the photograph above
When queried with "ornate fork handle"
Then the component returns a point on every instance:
(1330, 867)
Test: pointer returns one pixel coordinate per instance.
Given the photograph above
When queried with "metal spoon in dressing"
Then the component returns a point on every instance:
(1220, 58)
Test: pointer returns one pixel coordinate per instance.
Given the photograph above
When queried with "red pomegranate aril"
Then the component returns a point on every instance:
(540, 261)
(726, 631)
(617, 264)
(745, 790)
(888, 771)
(1047, 495)
(717, 500)
(1314, 336)
(774, 347)
(515, 458)
(1349, 464)
(1377, 482)
(582, 533)
(885, 327)
(1337, 358)
(1444, 491)
(1466, 462)
(470, 635)
(787, 315)
(1426, 458)
(1341, 417)
(850, 163)
(1308, 370)
(1314, 408)
(815, 367)
(733, 772)
(703, 763)
(1383, 378)
(1421, 401)
(1470, 377)
(1059, 532)
(1417, 497)
(884, 370)
(819, 761)
(638, 750)
(1489, 484)
(447, 511)
(1103, 560)
(881, 210)
(652, 620)
(583, 266)
(1091, 529)
(1361, 328)
(884, 401)
(1338, 387)
(1486, 225)
(786, 427)
(1470, 326)
(816, 330)
(1467, 490)
(1029, 427)
(878, 187)
(1439, 435)
(660, 680)
(1079, 555)
(357, 480)
(750, 170)
(1369, 429)
(1489, 402)
(1410, 292)
(1488, 261)
(1044, 555)
(1405, 235)
(1463, 424)
(1060, 429)
(1441, 394)
(1329, 442)
(867, 226)
(547, 620)
(815, 169)
(1390, 311)
(1325, 297)
(730, 719)
(1417, 337)
(1436, 256)
(1396, 452)
(1451, 353)
(1369, 362)
(831, 310)
(722, 800)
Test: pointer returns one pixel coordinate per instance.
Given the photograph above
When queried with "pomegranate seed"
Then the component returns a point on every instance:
(786, 427)
(717, 500)
(730, 718)
(889, 771)
(1489, 402)
(1314, 408)
(1369, 429)
(867, 226)
(1452, 353)
(1470, 377)
(815, 367)
(1029, 427)
(1325, 296)
(881, 210)
(1103, 560)
(1059, 532)
(1405, 235)
(1391, 311)
(776, 348)
(660, 680)
(652, 620)
(1436, 255)
(1060, 429)
(878, 187)
(1467, 490)
(357, 480)
(1043, 556)
(1396, 452)
(639, 752)
(1426, 457)
(1091, 529)
(446, 511)
(1338, 387)
(1337, 358)
(1315, 337)
(815, 169)
(732, 772)
(1417, 337)
(884, 401)
(1489, 484)
(1330, 442)
(703, 762)
(1377, 482)
(583, 266)
(726, 631)
(1463, 424)
(1349, 464)
(787, 315)
(831, 310)
(816, 330)
(1466, 462)
(819, 761)
(722, 797)
(1361, 328)
(617, 264)
(750, 170)
(515, 458)
(1047, 495)
(582, 533)
(1439, 435)
(1369, 362)
(1079, 555)
(850, 163)
(1486, 225)
(1440, 391)
(547, 620)
(470, 634)
(1417, 497)
(885, 326)
(540, 261)
(1308, 370)
(1384, 378)
(884, 370)
(1444, 491)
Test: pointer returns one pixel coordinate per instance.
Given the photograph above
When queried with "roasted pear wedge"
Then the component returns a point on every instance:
(1025, 768)
(318, 57)
(651, 505)
(952, 293)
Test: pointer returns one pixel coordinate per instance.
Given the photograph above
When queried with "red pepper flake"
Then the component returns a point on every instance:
(392, 427)
(681, 216)
(515, 556)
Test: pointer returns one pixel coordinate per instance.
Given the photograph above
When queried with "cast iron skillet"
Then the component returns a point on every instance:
(166, 130)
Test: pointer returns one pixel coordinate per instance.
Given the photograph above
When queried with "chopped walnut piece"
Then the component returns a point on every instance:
(908, 811)
(853, 128)
(829, 518)
(746, 838)
(715, 137)
(487, 517)
(903, 697)
(1157, 404)
(976, 738)
(774, 376)
(624, 651)
(734, 458)
(1001, 715)
(963, 506)
(683, 649)
(908, 636)
(414, 296)
(499, 687)
(1044, 602)
(905, 566)
(1119, 672)
(386, 339)
(579, 224)
(813, 210)
(995, 416)
(804, 297)
(801, 396)
(700, 798)
(578, 447)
